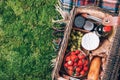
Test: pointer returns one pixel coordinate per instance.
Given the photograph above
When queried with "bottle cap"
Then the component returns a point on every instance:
(88, 26)
(90, 41)
(107, 28)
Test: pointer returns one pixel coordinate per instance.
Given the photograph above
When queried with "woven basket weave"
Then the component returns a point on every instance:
(111, 69)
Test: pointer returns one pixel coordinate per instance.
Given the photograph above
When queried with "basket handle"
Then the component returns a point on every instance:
(107, 17)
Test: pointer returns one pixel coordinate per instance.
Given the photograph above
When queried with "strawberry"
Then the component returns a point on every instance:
(77, 51)
(76, 74)
(85, 68)
(82, 72)
(81, 56)
(70, 72)
(85, 62)
(80, 63)
(66, 65)
(74, 58)
(67, 58)
(75, 64)
(81, 67)
(70, 63)
(78, 69)
(70, 68)
(73, 53)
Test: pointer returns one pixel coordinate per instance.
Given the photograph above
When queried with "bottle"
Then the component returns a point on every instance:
(103, 31)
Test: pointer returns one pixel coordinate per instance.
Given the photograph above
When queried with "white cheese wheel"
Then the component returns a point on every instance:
(90, 41)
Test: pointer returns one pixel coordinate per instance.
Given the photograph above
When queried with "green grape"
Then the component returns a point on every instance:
(79, 48)
(75, 40)
(73, 46)
(71, 49)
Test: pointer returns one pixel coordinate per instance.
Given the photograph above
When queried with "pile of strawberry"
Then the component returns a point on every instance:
(76, 63)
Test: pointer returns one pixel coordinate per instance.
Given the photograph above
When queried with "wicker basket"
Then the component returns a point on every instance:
(113, 58)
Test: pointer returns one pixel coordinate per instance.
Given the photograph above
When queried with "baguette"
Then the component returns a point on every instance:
(93, 73)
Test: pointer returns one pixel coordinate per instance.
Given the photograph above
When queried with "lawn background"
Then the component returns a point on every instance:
(25, 39)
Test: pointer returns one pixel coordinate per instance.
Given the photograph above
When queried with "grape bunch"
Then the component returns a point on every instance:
(75, 40)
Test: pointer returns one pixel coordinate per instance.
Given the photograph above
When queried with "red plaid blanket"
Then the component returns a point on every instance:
(112, 5)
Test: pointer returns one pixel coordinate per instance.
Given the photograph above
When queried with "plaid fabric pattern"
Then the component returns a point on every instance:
(83, 2)
(66, 5)
(76, 2)
(112, 5)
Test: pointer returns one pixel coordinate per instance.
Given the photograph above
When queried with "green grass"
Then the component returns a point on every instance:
(25, 39)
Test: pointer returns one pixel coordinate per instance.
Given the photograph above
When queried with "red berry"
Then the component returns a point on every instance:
(73, 57)
(75, 64)
(85, 68)
(67, 58)
(66, 65)
(73, 53)
(80, 63)
(83, 60)
(70, 72)
(81, 56)
(82, 72)
(86, 62)
(70, 68)
(76, 74)
(70, 63)
(78, 69)
(77, 51)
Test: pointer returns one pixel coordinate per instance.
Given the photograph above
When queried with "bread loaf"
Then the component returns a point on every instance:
(94, 70)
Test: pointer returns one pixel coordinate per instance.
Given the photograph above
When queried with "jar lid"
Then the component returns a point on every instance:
(88, 26)
(90, 41)
(79, 21)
